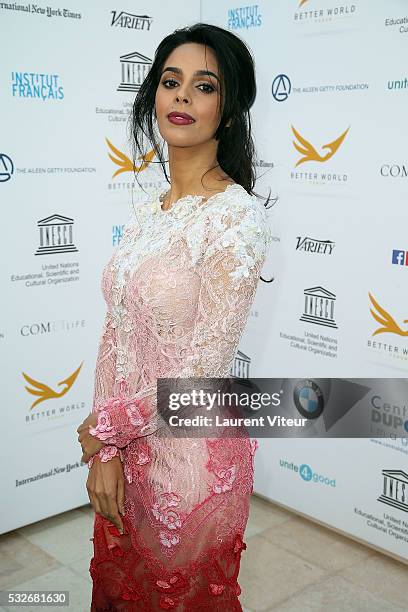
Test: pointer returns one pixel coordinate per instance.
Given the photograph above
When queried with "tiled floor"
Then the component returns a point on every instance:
(290, 565)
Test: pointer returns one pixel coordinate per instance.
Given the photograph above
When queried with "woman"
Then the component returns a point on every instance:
(171, 513)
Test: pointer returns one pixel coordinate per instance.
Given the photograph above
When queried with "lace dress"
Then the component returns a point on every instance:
(178, 290)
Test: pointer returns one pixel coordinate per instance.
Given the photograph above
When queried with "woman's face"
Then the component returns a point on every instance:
(181, 89)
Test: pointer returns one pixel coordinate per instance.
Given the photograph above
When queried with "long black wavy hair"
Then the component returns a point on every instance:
(236, 151)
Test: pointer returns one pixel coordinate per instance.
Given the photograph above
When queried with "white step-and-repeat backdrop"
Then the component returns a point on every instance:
(331, 134)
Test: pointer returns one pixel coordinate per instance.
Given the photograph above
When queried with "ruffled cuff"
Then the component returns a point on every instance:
(118, 418)
(106, 453)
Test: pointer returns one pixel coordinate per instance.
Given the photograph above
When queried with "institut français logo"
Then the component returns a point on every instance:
(395, 489)
(319, 307)
(56, 235)
(134, 68)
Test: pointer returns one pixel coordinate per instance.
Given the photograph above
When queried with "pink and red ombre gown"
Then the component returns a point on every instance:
(178, 290)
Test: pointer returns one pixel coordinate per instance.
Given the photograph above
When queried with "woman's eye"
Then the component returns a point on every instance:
(211, 88)
(169, 81)
(207, 87)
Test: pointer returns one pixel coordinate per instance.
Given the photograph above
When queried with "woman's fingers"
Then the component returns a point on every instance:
(110, 510)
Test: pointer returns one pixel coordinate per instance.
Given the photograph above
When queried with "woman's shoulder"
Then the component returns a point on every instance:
(235, 207)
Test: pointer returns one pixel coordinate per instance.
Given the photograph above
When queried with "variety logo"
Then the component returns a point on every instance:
(319, 307)
(6, 168)
(394, 170)
(281, 87)
(308, 151)
(400, 258)
(44, 392)
(122, 19)
(125, 164)
(117, 234)
(395, 489)
(56, 235)
(134, 68)
(313, 245)
(36, 85)
(387, 322)
(244, 17)
(307, 474)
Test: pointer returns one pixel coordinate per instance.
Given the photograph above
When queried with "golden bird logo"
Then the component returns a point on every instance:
(125, 164)
(302, 2)
(45, 392)
(310, 153)
(388, 323)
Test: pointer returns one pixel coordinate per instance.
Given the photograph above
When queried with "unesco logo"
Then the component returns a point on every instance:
(281, 87)
(6, 168)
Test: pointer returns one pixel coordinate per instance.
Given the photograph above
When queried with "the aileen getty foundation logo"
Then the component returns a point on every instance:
(388, 325)
(124, 163)
(309, 153)
(44, 392)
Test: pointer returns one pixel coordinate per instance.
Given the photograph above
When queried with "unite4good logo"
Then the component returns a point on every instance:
(307, 474)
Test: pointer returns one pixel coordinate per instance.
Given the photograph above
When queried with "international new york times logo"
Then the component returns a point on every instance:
(36, 85)
(122, 19)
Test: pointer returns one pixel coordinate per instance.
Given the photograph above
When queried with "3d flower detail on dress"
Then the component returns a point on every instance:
(216, 589)
(104, 428)
(226, 478)
(136, 459)
(106, 453)
(164, 514)
(173, 584)
(169, 539)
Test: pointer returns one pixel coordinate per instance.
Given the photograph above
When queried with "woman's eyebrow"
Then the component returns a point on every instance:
(197, 72)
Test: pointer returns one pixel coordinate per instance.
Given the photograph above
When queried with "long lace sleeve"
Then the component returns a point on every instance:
(229, 270)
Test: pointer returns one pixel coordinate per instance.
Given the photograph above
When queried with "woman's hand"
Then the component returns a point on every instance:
(90, 445)
(106, 490)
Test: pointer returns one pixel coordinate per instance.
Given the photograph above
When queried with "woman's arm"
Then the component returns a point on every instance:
(230, 273)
